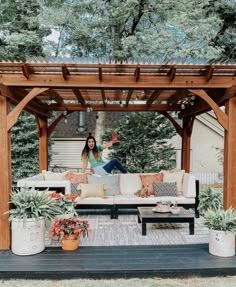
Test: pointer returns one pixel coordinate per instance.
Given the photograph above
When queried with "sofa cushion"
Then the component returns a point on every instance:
(75, 179)
(165, 188)
(49, 175)
(148, 179)
(111, 182)
(130, 183)
(174, 176)
(91, 190)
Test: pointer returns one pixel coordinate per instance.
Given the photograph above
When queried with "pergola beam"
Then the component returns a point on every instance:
(111, 82)
(13, 116)
(118, 108)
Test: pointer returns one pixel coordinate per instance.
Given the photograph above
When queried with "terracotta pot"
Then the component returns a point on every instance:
(70, 242)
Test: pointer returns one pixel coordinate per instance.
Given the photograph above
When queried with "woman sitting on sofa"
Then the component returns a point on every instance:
(92, 153)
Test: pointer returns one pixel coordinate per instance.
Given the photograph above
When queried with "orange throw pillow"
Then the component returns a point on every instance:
(148, 179)
(77, 177)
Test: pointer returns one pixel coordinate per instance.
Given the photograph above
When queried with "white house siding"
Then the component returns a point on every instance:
(205, 143)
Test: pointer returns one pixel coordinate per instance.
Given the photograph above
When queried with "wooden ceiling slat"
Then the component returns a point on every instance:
(137, 73)
(129, 95)
(100, 72)
(52, 94)
(65, 72)
(26, 71)
(179, 95)
(103, 98)
(209, 72)
(153, 97)
(172, 73)
(78, 95)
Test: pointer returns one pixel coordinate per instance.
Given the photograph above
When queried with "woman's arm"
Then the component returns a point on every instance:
(107, 145)
(85, 164)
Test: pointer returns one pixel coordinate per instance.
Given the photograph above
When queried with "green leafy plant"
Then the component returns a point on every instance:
(210, 199)
(31, 203)
(69, 226)
(66, 203)
(219, 219)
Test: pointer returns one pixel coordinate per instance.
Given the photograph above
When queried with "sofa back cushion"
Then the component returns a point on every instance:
(174, 176)
(49, 175)
(148, 179)
(189, 186)
(111, 182)
(130, 183)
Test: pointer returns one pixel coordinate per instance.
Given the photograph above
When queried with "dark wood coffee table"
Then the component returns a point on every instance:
(146, 215)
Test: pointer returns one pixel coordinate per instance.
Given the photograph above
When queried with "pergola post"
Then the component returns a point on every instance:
(5, 174)
(186, 143)
(230, 156)
(43, 143)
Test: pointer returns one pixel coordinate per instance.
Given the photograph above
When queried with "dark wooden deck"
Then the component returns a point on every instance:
(117, 261)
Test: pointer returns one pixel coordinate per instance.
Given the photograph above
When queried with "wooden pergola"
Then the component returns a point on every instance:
(188, 90)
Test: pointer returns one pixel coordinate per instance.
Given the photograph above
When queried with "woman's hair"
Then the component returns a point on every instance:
(86, 149)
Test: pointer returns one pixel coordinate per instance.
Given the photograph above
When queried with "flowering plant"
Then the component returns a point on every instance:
(68, 226)
(65, 204)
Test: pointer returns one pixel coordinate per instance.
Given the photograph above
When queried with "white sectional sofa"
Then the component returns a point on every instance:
(126, 198)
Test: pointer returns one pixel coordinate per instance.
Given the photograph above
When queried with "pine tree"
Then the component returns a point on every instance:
(25, 147)
(143, 142)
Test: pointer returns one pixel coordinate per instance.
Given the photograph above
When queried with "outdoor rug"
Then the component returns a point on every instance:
(127, 231)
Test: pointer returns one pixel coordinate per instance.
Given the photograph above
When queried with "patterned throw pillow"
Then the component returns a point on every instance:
(148, 179)
(165, 188)
(174, 176)
(75, 179)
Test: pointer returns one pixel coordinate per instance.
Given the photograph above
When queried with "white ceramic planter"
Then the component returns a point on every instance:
(28, 236)
(221, 243)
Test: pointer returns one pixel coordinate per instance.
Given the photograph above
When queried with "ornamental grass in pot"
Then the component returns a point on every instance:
(222, 230)
(28, 215)
(68, 231)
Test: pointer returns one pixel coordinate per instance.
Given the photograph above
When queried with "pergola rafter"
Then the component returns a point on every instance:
(188, 90)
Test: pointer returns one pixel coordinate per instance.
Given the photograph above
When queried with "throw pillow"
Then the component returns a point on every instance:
(148, 179)
(112, 183)
(142, 192)
(49, 175)
(165, 188)
(91, 190)
(174, 176)
(75, 179)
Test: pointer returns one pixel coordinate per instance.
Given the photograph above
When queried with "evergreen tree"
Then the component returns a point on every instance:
(143, 142)
(136, 29)
(21, 33)
(226, 36)
(25, 147)
(21, 36)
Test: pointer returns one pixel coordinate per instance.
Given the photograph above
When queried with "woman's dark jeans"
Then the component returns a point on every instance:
(114, 163)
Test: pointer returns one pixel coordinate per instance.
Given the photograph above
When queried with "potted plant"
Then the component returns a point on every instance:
(222, 230)
(30, 210)
(68, 230)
